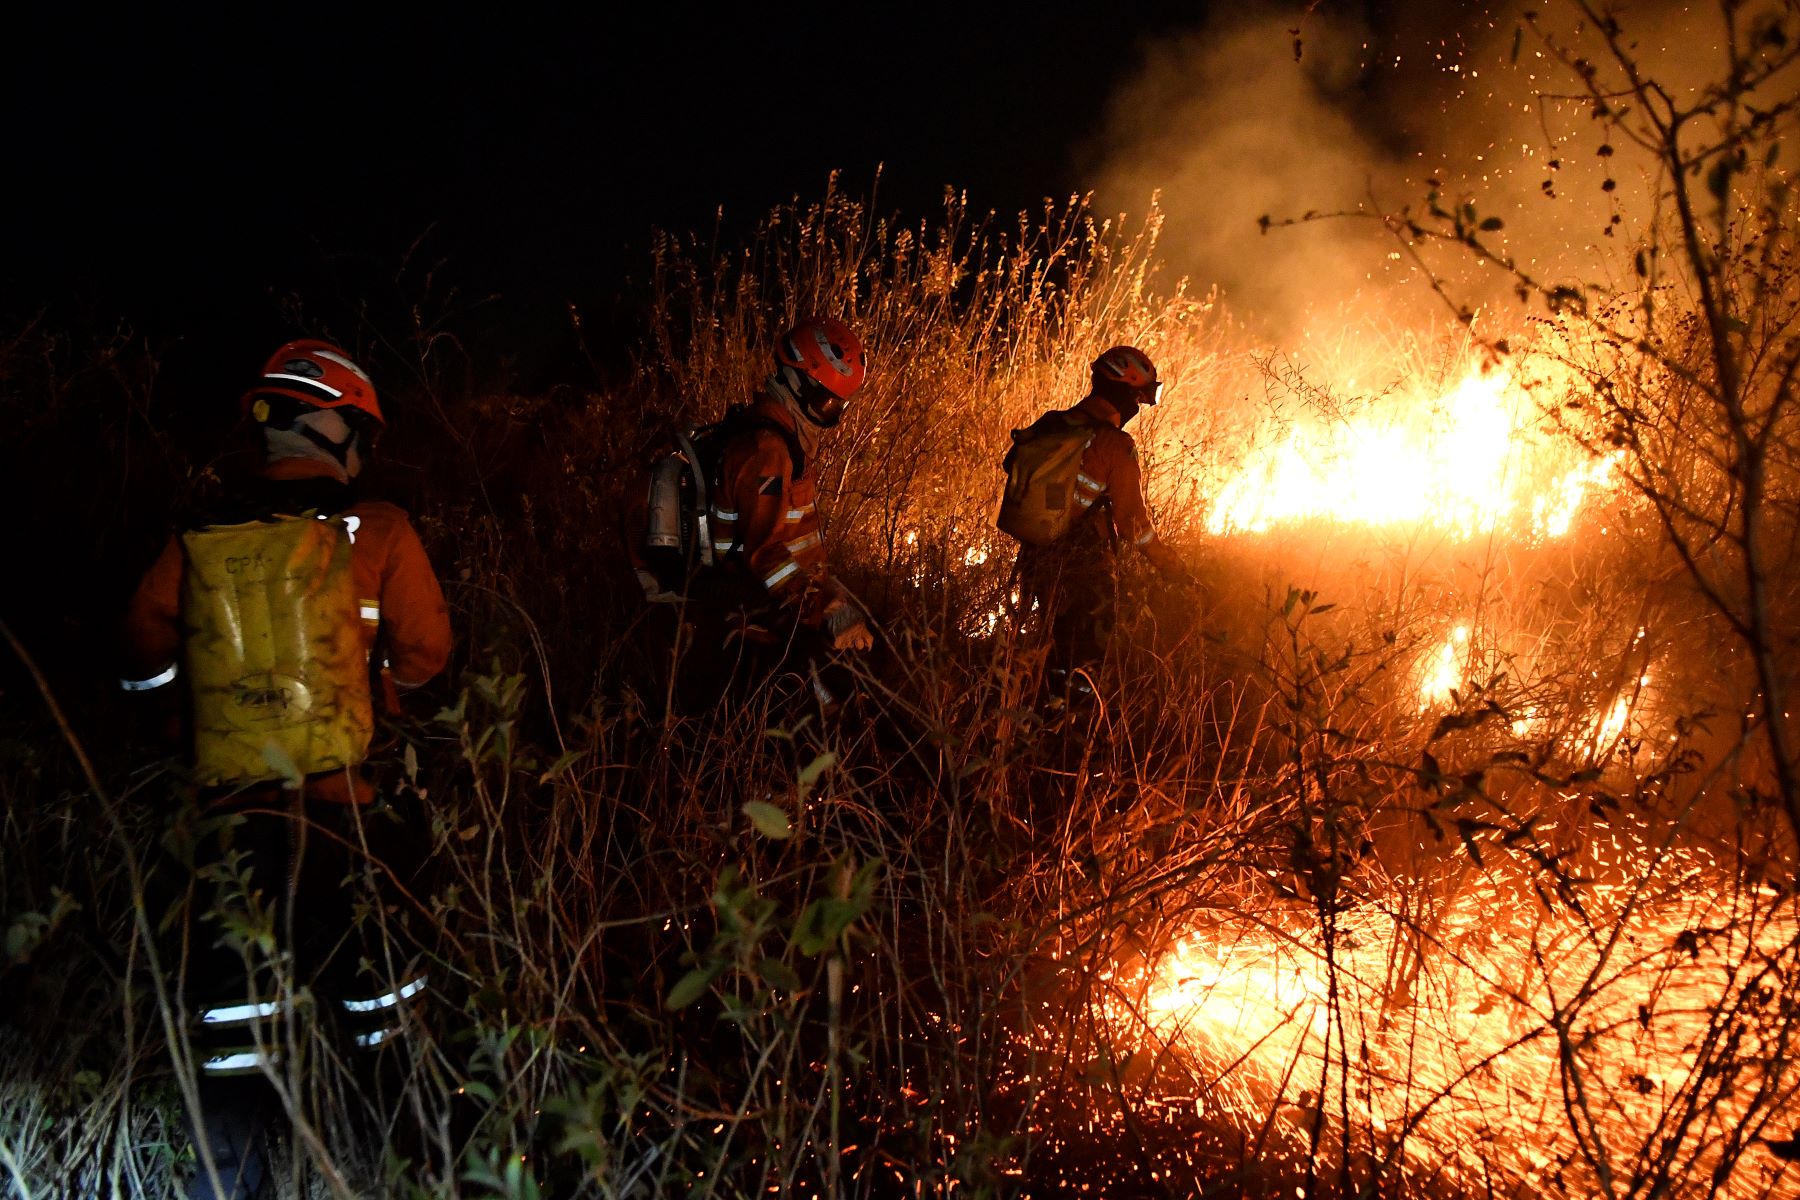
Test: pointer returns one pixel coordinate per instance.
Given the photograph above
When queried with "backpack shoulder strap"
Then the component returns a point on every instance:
(740, 419)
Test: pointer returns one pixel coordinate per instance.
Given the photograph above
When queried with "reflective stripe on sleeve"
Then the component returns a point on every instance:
(722, 515)
(151, 684)
(797, 514)
(388, 1001)
(1146, 537)
(376, 1037)
(371, 611)
(1084, 500)
(780, 575)
(239, 1012)
(799, 545)
(1089, 482)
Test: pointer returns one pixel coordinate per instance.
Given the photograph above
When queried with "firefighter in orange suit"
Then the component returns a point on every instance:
(279, 618)
(1074, 580)
(767, 542)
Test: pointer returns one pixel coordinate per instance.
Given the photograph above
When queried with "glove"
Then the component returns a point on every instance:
(848, 627)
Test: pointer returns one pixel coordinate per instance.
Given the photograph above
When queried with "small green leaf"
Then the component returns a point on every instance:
(770, 821)
(810, 773)
(823, 922)
(692, 986)
(453, 717)
(563, 763)
(779, 975)
(479, 1090)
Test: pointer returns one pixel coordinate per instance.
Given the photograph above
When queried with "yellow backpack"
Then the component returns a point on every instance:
(1038, 507)
(275, 659)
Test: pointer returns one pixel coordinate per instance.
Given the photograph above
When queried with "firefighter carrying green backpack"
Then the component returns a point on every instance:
(1039, 506)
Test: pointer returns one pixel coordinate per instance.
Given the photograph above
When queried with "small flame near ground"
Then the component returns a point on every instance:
(1457, 1040)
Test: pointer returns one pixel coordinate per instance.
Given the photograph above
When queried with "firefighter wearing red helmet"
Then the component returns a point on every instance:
(725, 535)
(319, 415)
(276, 619)
(764, 505)
(1074, 495)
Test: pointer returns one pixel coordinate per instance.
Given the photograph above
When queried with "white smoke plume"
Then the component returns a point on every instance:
(1277, 111)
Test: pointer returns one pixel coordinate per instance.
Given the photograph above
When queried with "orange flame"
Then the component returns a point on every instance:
(1464, 462)
(1459, 1034)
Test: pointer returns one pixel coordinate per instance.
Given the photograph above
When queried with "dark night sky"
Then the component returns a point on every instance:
(178, 175)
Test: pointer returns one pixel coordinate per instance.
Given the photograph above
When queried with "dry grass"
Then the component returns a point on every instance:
(939, 982)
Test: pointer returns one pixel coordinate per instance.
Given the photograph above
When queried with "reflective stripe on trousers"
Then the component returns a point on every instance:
(374, 1020)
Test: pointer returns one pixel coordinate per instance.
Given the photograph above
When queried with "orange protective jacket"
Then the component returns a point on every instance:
(765, 518)
(398, 595)
(1109, 472)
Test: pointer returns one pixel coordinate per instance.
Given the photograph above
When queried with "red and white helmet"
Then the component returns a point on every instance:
(1126, 368)
(317, 375)
(825, 366)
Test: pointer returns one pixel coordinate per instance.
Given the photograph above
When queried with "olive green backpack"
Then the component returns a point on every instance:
(1039, 505)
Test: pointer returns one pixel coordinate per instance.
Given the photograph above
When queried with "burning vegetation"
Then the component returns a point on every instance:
(1440, 843)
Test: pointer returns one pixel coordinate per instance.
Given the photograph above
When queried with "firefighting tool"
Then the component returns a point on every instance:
(822, 362)
(274, 652)
(1046, 492)
(684, 473)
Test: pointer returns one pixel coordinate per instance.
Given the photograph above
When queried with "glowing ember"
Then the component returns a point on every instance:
(1464, 462)
(1457, 1040)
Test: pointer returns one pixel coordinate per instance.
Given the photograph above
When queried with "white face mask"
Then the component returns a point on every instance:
(804, 429)
(302, 440)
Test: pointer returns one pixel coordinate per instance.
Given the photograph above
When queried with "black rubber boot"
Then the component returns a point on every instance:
(237, 1119)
